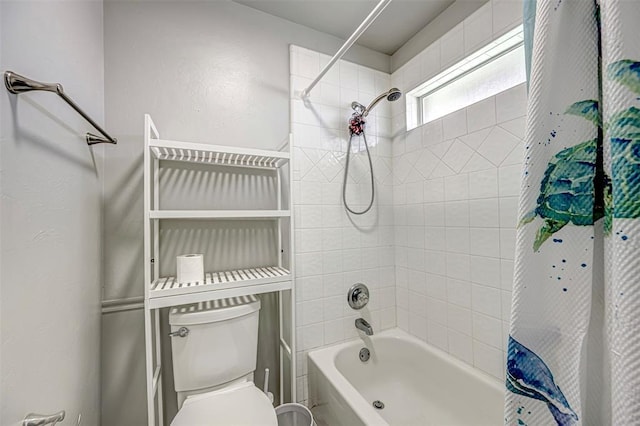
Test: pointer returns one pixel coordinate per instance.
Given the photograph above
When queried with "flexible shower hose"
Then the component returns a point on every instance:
(346, 174)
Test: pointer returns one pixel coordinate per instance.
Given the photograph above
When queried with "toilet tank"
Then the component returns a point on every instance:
(221, 344)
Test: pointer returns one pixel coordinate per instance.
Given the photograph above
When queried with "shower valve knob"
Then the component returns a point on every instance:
(358, 296)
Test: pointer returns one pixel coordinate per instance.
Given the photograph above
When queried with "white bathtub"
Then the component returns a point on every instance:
(418, 384)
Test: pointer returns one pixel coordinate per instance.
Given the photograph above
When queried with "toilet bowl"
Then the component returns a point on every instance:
(213, 364)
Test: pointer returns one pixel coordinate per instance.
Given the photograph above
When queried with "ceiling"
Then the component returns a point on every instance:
(400, 20)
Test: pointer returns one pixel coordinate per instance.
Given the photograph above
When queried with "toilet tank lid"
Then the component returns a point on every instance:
(214, 310)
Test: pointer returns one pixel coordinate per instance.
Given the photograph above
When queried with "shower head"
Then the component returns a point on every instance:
(392, 95)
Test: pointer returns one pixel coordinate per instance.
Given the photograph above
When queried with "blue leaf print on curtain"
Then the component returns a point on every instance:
(625, 72)
(528, 375)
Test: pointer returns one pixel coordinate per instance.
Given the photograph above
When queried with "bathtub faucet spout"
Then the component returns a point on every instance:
(363, 325)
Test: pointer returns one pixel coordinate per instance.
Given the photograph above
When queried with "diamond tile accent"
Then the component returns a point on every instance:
(517, 127)
(475, 139)
(498, 145)
(426, 163)
(382, 169)
(439, 150)
(358, 168)
(315, 155)
(401, 167)
(515, 157)
(442, 170)
(330, 166)
(314, 175)
(458, 155)
(301, 162)
(477, 162)
(414, 176)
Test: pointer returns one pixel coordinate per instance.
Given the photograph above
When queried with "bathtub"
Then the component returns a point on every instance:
(418, 385)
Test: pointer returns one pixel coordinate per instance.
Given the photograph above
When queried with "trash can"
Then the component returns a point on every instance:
(293, 414)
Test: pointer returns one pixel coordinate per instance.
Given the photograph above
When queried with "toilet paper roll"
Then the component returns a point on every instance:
(190, 268)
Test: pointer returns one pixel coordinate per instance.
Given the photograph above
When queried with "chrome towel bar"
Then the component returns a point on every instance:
(17, 84)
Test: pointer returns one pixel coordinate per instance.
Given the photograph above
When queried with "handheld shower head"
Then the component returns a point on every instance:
(356, 127)
(392, 95)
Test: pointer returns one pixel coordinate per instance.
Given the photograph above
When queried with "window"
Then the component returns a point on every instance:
(496, 67)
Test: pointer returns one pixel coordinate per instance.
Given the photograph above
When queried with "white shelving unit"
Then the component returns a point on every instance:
(218, 214)
(163, 292)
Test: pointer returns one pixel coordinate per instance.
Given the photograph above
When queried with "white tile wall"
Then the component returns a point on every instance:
(333, 250)
(437, 251)
(478, 28)
(452, 46)
(486, 24)
(468, 217)
(457, 295)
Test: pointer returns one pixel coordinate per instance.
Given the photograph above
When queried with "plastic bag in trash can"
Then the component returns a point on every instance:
(294, 415)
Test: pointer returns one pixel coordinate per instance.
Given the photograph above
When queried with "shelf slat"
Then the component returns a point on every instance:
(203, 296)
(218, 214)
(217, 154)
(229, 283)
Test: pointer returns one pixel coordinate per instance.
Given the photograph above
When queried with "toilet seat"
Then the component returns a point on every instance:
(237, 405)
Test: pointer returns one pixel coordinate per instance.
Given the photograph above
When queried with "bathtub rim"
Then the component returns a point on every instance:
(326, 356)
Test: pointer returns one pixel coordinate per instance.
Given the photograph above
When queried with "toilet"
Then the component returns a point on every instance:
(214, 362)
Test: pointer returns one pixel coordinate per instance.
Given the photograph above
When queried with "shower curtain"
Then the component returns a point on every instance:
(573, 355)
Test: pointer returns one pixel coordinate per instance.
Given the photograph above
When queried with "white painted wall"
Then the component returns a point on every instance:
(213, 72)
(50, 255)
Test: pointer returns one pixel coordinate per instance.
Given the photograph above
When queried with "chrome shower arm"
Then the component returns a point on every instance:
(374, 103)
(17, 84)
(392, 94)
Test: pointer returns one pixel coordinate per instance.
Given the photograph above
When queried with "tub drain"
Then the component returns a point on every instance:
(364, 354)
(378, 404)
